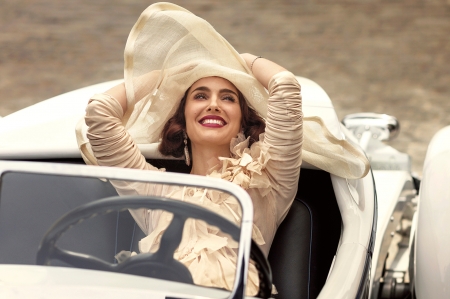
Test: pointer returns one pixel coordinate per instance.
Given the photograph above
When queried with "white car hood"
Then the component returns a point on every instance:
(47, 129)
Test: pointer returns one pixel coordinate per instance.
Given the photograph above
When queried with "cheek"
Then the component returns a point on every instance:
(190, 113)
(190, 116)
(236, 121)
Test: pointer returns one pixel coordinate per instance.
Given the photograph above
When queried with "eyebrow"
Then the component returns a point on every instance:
(224, 90)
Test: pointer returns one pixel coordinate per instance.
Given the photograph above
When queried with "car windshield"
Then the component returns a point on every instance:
(107, 234)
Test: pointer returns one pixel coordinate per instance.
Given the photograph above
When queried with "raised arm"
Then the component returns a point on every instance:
(284, 130)
(263, 69)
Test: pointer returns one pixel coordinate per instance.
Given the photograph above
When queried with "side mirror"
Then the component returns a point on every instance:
(382, 127)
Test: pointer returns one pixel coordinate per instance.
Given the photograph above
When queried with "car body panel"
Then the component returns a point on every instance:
(432, 264)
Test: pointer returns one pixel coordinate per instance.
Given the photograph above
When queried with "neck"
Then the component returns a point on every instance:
(206, 157)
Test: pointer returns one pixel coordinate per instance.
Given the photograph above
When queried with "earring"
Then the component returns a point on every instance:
(187, 158)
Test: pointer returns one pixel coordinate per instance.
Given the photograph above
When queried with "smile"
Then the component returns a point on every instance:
(212, 121)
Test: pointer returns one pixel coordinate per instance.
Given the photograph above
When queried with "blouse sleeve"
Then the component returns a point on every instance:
(112, 145)
(284, 138)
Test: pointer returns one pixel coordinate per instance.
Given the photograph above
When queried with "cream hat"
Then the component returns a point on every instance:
(168, 50)
(177, 48)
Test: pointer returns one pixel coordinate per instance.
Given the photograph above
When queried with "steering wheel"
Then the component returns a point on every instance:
(160, 264)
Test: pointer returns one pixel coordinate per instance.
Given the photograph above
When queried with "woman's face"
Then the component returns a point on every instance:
(212, 112)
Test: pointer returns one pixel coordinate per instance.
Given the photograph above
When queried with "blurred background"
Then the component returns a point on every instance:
(384, 56)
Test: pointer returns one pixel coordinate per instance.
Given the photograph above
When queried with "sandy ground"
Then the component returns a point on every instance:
(390, 56)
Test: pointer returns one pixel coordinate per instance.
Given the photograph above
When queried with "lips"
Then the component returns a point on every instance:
(212, 121)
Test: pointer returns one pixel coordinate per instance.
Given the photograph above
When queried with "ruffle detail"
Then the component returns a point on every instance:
(245, 167)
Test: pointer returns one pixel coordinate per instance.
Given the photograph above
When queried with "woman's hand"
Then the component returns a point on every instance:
(263, 69)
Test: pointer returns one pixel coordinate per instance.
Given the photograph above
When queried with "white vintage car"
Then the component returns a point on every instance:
(341, 239)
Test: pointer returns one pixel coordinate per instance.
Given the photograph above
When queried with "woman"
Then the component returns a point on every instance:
(213, 118)
(186, 85)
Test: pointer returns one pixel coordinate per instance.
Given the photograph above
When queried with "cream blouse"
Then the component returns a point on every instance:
(268, 170)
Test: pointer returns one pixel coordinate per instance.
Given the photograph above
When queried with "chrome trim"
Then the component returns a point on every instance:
(407, 194)
(383, 127)
(116, 173)
(364, 285)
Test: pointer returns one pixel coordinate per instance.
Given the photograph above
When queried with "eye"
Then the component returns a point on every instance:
(200, 96)
(229, 98)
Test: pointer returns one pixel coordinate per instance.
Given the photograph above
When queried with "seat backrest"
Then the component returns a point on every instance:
(306, 241)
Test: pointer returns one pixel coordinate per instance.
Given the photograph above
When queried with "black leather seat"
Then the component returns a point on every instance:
(306, 241)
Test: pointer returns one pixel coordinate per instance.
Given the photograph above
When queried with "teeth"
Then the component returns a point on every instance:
(213, 121)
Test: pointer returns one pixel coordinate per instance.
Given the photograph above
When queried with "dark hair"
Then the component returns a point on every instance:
(172, 139)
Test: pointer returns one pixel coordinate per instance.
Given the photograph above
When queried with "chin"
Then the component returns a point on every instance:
(214, 140)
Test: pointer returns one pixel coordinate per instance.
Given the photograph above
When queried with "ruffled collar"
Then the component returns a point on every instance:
(246, 164)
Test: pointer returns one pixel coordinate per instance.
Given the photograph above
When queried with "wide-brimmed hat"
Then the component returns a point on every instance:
(177, 48)
(167, 51)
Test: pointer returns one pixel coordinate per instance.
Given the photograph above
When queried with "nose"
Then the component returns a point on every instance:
(213, 104)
